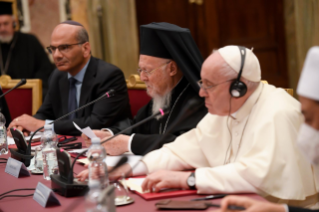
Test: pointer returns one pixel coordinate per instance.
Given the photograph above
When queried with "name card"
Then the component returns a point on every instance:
(15, 168)
(45, 196)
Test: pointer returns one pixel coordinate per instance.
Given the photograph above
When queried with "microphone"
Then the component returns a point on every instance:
(69, 188)
(191, 107)
(27, 156)
(22, 82)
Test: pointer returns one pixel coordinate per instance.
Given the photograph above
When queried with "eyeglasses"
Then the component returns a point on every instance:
(62, 48)
(139, 71)
(201, 84)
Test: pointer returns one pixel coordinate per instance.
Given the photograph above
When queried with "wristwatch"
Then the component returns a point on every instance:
(191, 181)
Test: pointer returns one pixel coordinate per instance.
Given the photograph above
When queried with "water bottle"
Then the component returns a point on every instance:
(97, 176)
(49, 146)
(91, 199)
(97, 166)
(3, 135)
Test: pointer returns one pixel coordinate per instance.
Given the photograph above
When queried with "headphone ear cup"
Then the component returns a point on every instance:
(14, 24)
(238, 89)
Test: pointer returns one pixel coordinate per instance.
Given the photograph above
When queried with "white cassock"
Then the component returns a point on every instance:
(257, 154)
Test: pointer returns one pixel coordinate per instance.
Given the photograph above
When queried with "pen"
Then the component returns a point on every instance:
(210, 197)
(230, 207)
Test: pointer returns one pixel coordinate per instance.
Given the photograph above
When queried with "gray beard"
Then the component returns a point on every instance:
(159, 102)
(6, 39)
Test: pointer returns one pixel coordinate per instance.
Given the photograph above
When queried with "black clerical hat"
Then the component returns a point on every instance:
(169, 41)
(5, 8)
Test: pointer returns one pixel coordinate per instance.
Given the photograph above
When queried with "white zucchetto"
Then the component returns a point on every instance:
(251, 70)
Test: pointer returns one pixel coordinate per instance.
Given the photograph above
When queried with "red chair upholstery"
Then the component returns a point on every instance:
(137, 93)
(138, 98)
(26, 99)
(19, 102)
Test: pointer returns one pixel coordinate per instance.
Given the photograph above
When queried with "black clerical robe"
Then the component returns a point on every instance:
(28, 59)
(149, 132)
(294, 209)
(4, 109)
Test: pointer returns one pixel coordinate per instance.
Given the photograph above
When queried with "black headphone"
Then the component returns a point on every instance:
(14, 24)
(238, 88)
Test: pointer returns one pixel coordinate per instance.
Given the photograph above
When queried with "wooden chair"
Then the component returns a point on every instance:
(26, 99)
(288, 90)
(137, 93)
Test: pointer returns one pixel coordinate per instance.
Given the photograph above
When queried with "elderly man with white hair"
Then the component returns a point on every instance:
(245, 144)
(308, 136)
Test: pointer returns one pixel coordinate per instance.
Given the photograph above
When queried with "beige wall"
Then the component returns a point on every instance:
(44, 16)
(302, 32)
(112, 29)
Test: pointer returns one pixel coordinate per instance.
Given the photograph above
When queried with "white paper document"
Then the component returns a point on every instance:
(86, 131)
(112, 160)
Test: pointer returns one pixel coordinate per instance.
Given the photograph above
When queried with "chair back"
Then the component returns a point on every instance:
(137, 93)
(25, 99)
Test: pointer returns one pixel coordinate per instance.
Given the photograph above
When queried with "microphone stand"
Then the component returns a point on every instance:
(22, 82)
(108, 94)
(192, 106)
(27, 156)
(161, 112)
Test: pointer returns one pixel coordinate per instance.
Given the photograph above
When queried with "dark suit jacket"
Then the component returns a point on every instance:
(293, 209)
(99, 78)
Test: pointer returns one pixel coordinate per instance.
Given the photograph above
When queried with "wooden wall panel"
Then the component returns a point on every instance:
(217, 23)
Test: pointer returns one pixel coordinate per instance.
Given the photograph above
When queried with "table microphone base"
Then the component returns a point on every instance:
(63, 188)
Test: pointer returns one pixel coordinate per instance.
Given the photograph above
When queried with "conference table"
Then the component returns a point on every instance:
(9, 182)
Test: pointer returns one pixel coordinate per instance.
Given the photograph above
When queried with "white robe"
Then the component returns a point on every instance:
(262, 154)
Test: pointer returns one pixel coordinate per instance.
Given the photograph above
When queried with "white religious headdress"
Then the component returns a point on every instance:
(251, 70)
(308, 85)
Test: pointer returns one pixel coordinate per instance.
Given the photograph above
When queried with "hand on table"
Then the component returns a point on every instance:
(118, 173)
(25, 124)
(99, 133)
(83, 175)
(251, 205)
(124, 170)
(117, 146)
(165, 179)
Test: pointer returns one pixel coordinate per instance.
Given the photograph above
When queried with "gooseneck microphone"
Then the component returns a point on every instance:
(191, 107)
(22, 82)
(69, 188)
(27, 156)
(108, 94)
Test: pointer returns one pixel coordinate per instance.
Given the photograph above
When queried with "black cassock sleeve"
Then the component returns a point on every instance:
(5, 109)
(141, 142)
(294, 209)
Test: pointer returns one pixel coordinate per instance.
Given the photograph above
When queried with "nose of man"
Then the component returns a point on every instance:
(202, 92)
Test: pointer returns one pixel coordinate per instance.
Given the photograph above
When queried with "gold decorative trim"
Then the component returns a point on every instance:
(290, 91)
(34, 84)
(135, 82)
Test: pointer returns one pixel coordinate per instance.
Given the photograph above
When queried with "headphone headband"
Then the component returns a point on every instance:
(237, 88)
(242, 51)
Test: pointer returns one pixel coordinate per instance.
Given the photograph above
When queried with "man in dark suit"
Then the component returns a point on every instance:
(79, 79)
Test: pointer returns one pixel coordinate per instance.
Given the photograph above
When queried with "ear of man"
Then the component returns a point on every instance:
(172, 68)
(86, 48)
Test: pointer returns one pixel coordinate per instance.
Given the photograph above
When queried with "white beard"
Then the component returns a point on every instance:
(159, 102)
(6, 39)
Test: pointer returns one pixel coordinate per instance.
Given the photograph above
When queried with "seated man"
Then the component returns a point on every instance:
(79, 79)
(245, 144)
(308, 139)
(169, 65)
(21, 55)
